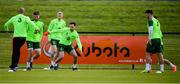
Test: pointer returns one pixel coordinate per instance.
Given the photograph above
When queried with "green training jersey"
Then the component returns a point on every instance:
(20, 23)
(56, 25)
(68, 36)
(155, 31)
(34, 36)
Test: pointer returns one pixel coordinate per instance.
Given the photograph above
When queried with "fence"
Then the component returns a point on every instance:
(171, 41)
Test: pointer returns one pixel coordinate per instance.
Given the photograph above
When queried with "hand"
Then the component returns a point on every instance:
(46, 33)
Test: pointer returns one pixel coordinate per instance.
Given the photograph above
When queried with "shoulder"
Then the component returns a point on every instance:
(63, 20)
(53, 20)
(76, 33)
(66, 28)
(41, 22)
(27, 17)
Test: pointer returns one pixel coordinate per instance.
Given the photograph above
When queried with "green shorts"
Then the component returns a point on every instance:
(54, 42)
(66, 48)
(34, 45)
(156, 46)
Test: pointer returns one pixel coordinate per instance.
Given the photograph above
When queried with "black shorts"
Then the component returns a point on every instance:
(54, 42)
(155, 46)
(66, 48)
(34, 45)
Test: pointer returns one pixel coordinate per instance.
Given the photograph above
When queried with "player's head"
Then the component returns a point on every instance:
(59, 15)
(36, 15)
(21, 10)
(72, 25)
(149, 13)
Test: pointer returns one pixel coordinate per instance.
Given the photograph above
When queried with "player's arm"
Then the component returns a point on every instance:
(64, 25)
(150, 29)
(32, 24)
(42, 30)
(50, 27)
(59, 30)
(79, 43)
(7, 24)
(28, 27)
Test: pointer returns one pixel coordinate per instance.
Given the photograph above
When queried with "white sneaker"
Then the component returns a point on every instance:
(74, 67)
(47, 69)
(159, 72)
(10, 70)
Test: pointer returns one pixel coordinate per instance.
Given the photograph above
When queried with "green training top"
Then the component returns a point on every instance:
(56, 24)
(68, 36)
(34, 36)
(156, 31)
(20, 23)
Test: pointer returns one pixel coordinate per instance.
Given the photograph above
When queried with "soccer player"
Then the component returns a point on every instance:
(55, 24)
(68, 35)
(154, 45)
(20, 23)
(33, 40)
(154, 42)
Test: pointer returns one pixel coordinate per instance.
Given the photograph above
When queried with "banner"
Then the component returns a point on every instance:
(100, 50)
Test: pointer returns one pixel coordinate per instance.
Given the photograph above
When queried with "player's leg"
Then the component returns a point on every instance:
(161, 62)
(30, 50)
(158, 50)
(61, 49)
(166, 61)
(69, 49)
(53, 51)
(58, 59)
(75, 57)
(149, 50)
(37, 51)
(54, 47)
(174, 68)
(36, 55)
(36, 47)
(148, 63)
(17, 44)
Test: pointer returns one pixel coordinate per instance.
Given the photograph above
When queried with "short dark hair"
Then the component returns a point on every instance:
(149, 11)
(155, 17)
(73, 23)
(21, 10)
(36, 13)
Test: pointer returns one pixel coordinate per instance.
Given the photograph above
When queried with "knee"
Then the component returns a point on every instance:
(60, 56)
(38, 52)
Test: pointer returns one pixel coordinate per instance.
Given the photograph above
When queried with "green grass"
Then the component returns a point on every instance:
(88, 76)
(118, 16)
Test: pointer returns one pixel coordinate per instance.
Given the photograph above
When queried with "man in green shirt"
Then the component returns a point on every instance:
(68, 35)
(155, 44)
(33, 40)
(20, 23)
(55, 24)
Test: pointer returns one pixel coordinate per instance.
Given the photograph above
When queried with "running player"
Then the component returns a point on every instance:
(20, 23)
(33, 40)
(55, 24)
(68, 35)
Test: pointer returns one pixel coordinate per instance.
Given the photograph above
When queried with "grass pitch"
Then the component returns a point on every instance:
(87, 76)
